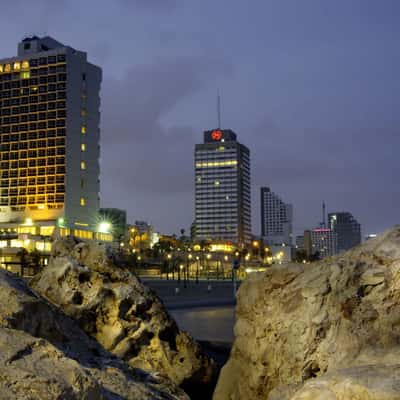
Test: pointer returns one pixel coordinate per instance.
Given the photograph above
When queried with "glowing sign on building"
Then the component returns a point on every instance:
(216, 135)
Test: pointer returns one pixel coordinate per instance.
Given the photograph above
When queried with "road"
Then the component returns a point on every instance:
(203, 294)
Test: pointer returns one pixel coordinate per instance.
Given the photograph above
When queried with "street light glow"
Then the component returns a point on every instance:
(104, 227)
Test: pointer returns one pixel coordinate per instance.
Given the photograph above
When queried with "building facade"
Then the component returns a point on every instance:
(222, 189)
(49, 140)
(300, 242)
(324, 241)
(347, 228)
(142, 236)
(276, 218)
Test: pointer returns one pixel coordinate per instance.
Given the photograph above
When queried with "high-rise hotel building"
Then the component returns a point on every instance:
(49, 139)
(222, 189)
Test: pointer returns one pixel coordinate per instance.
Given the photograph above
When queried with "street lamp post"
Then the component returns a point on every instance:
(179, 273)
(208, 267)
(223, 270)
(197, 269)
(187, 275)
(169, 256)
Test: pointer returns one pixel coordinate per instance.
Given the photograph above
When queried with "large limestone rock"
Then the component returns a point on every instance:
(44, 355)
(127, 318)
(371, 382)
(297, 322)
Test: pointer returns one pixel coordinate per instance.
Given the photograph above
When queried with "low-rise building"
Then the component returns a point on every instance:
(323, 242)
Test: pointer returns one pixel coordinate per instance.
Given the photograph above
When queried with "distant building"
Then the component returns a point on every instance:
(308, 249)
(324, 242)
(371, 236)
(300, 242)
(222, 189)
(347, 228)
(142, 235)
(276, 218)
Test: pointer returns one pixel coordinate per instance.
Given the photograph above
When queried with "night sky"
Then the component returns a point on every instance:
(310, 86)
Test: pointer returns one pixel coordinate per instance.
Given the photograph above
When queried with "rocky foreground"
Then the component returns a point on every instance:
(88, 329)
(324, 331)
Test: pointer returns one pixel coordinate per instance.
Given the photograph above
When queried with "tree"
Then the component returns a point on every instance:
(301, 255)
(23, 256)
(36, 258)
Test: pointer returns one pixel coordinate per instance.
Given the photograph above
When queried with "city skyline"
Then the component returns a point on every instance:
(315, 106)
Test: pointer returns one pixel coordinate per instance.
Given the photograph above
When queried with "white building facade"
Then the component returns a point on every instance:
(276, 219)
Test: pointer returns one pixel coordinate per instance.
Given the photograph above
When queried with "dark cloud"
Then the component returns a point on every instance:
(140, 154)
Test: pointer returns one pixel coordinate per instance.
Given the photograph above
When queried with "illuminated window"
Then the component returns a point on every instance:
(83, 129)
(1, 68)
(17, 66)
(83, 146)
(25, 64)
(83, 165)
(83, 201)
(83, 112)
(7, 68)
(46, 230)
(65, 232)
(24, 75)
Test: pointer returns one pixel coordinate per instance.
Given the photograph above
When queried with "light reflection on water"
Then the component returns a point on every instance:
(212, 323)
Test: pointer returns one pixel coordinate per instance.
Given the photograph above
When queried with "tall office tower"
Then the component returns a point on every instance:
(324, 241)
(276, 218)
(347, 228)
(222, 188)
(49, 133)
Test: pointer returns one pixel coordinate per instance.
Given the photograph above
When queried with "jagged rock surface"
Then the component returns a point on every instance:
(297, 322)
(127, 318)
(371, 382)
(44, 355)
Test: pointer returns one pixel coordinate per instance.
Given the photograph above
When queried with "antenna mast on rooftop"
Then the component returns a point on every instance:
(219, 110)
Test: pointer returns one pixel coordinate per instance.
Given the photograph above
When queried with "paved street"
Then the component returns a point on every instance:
(203, 294)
